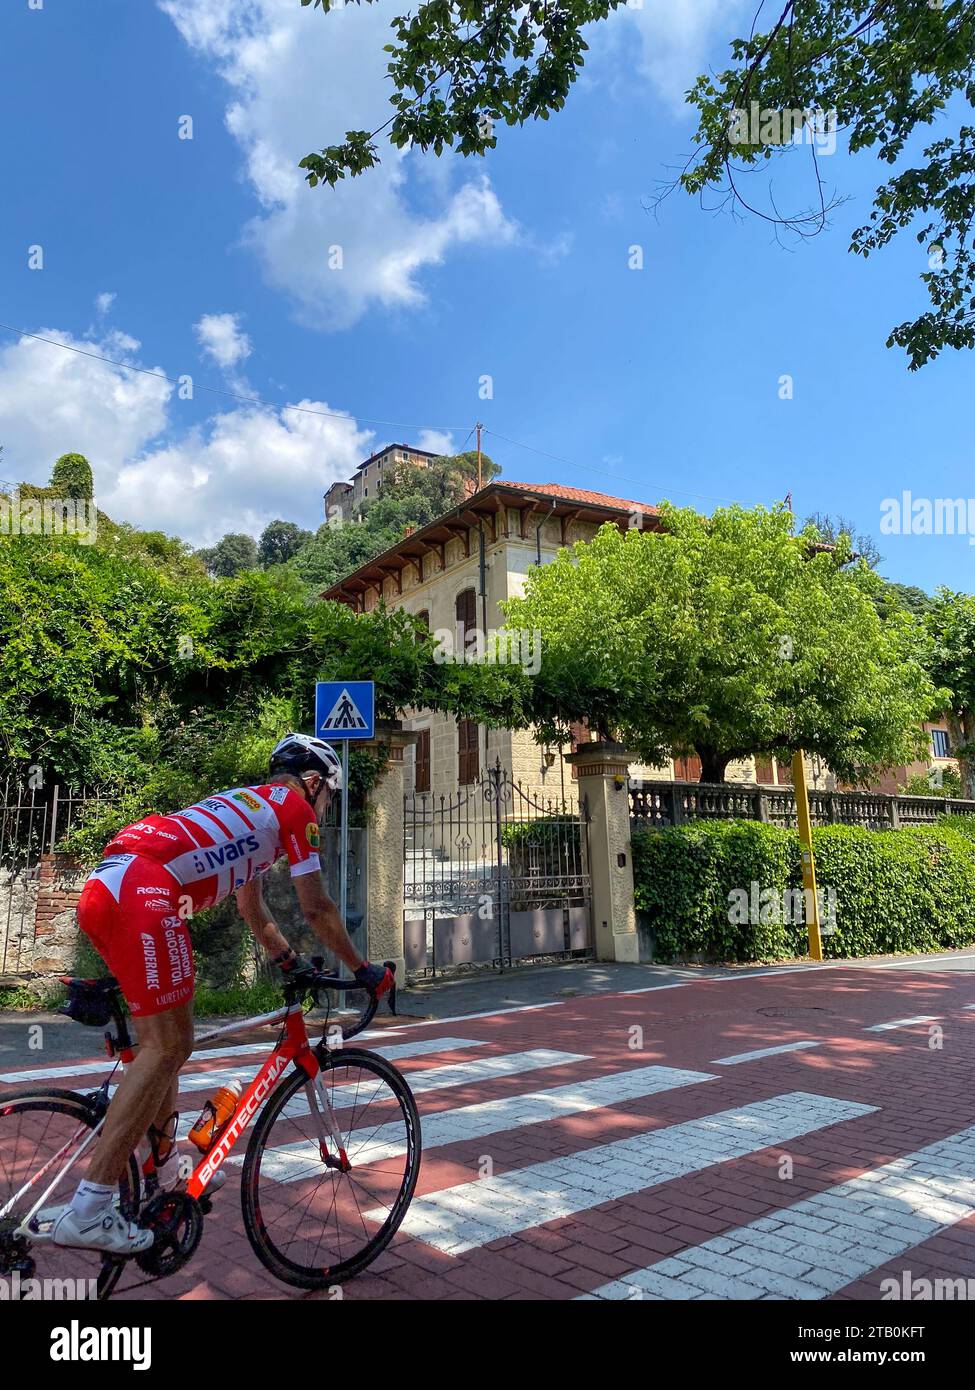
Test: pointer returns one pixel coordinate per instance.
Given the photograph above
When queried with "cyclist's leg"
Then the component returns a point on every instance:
(130, 915)
(147, 1090)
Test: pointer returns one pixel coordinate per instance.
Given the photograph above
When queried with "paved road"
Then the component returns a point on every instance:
(789, 1134)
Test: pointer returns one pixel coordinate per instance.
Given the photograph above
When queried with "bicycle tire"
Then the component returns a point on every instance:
(290, 1271)
(77, 1108)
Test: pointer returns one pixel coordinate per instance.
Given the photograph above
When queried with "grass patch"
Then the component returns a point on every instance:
(258, 998)
(31, 998)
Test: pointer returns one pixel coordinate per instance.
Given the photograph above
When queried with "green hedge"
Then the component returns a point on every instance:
(895, 890)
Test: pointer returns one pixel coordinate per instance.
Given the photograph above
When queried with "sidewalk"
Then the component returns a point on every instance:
(484, 992)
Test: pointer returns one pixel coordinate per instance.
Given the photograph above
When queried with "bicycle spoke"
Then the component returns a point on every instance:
(310, 1222)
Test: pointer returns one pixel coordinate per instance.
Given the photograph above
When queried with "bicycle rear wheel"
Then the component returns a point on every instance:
(39, 1128)
(311, 1224)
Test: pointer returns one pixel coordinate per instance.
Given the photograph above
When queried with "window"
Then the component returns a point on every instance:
(939, 743)
(465, 610)
(423, 617)
(467, 759)
(423, 761)
(687, 769)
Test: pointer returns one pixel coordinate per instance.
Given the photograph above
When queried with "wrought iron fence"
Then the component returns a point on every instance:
(493, 874)
(655, 804)
(33, 821)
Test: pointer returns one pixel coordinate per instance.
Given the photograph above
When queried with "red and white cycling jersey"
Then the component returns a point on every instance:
(219, 844)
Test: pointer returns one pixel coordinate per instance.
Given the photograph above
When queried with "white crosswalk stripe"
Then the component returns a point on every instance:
(440, 1078)
(823, 1243)
(902, 1023)
(763, 1052)
(472, 1214)
(292, 1162)
(420, 1047)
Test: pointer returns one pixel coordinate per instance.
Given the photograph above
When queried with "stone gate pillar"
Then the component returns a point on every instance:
(603, 771)
(384, 858)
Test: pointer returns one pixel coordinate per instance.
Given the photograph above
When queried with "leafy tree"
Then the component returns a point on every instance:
(280, 541)
(952, 624)
(410, 496)
(231, 555)
(458, 68)
(71, 477)
(882, 73)
(831, 528)
(157, 683)
(947, 783)
(727, 636)
(907, 596)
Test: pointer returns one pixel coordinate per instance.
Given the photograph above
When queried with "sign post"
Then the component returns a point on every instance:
(345, 711)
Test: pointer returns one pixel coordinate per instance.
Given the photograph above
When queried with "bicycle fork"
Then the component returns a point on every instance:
(327, 1125)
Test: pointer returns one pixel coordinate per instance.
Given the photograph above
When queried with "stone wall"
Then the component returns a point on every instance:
(18, 905)
(55, 937)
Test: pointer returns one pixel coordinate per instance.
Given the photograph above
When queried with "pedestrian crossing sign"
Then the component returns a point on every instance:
(345, 709)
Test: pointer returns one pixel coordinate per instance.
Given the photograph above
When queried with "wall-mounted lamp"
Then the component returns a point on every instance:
(619, 781)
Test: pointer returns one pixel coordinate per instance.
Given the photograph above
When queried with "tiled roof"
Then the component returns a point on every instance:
(579, 494)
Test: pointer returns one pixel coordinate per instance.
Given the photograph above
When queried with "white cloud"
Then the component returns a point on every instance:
(103, 302)
(54, 401)
(436, 441)
(236, 472)
(241, 470)
(221, 338)
(299, 79)
(676, 39)
(678, 36)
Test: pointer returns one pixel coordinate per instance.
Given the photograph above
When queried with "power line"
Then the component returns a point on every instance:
(218, 391)
(339, 415)
(605, 472)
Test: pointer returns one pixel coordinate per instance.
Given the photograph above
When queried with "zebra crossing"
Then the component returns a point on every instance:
(552, 1146)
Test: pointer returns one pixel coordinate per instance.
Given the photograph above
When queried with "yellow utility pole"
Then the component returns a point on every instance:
(808, 861)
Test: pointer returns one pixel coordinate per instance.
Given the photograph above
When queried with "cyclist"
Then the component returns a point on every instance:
(134, 907)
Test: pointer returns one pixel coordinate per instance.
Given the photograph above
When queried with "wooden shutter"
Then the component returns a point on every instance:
(467, 756)
(423, 761)
(466, 614)
(687, 769)
(763, 771)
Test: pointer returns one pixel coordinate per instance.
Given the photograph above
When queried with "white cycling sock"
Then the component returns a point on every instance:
(90, 1198)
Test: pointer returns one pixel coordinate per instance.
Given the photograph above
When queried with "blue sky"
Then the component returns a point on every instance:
(211, 258)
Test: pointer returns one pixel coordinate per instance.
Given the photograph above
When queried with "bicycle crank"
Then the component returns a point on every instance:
(177, 1221)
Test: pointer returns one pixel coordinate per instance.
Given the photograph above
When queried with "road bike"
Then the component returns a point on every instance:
(327, 1176)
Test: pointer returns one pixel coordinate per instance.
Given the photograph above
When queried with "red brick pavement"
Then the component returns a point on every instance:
(922, 1085)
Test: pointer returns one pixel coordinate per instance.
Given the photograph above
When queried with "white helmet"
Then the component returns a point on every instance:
(298, 753)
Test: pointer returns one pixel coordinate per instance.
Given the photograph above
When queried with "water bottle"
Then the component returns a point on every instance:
(214, 1115)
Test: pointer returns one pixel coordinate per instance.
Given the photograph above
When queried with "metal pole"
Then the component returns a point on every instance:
(344, 852)
(808, 861)
(496, 776)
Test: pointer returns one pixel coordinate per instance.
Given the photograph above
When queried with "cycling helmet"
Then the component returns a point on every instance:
(298, 753)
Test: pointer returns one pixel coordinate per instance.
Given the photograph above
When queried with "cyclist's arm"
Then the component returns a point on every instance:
(322, 916)
(254, 910)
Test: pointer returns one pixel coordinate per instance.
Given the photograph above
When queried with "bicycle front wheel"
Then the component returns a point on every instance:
(312, 1219)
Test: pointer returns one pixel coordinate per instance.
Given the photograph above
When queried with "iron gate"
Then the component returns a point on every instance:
(32, 821)
(492, 875)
